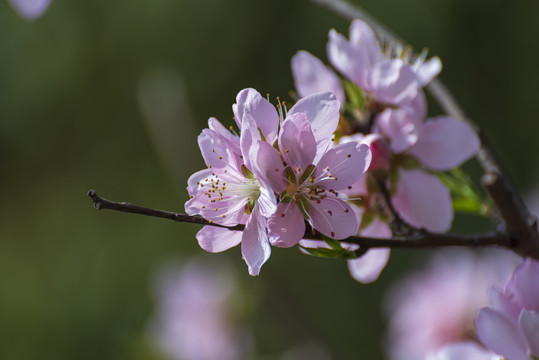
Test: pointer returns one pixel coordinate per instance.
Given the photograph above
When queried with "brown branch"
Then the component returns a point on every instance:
(516, 217)
(423, 240)
(518, 222)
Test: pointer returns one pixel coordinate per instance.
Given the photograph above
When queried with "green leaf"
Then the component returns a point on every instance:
(466, 197)
(355, 96)
(334, 244)
(330, 253)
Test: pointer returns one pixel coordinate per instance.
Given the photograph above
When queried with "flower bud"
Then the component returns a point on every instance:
(380, 152)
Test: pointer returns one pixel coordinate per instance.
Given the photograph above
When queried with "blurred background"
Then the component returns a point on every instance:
(110, 95)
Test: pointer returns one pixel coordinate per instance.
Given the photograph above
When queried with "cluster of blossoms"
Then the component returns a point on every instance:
(381, 89)
(308, 163)
(281, 169)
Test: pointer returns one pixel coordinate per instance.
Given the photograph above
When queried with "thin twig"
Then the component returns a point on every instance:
(423, 240)
(398, 225)
(516, 217)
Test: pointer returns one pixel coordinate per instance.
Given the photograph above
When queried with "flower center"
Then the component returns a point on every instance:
(395, 50)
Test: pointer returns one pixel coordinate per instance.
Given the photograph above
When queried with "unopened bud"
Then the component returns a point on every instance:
(380, 151)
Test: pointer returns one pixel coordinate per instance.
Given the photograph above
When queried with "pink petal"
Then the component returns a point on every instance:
(297, 143)
(269, 166)
(525, 284)
(255, 246)
(267, 202)
(213, 149)
(429, 70)
(333, 218)
(215, 239)
(348, 60)
(501, 334)
(463, 351)
(503, 303)
(423, 201)
(367, 268)
(444, 143)
(401, 127)
(312, 76)
(342, 166)
(322, 111)
(232, 141)
(393, 82)
(195, 179)
(359, 138)
(363, 38)
(286, 226)
(529, 325)
(417, 106)
(264, 113)
(248, 138)
(229, 211)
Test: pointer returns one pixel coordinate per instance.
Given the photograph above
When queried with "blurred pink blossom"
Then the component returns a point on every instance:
(194, 319)
(437, 307)
(391, 75)
(30, 9)
(510, 326)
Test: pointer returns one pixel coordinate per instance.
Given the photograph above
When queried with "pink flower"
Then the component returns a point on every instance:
(510, 326)
(440, 144)
(437, 307)
(30, 9)
(312, 174)
(194, 319)
(230, 191)
(391, 77)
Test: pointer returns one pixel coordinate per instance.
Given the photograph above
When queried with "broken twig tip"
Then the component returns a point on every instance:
(96, 199)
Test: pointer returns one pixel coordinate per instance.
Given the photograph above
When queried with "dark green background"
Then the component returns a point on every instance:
(76, 283)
